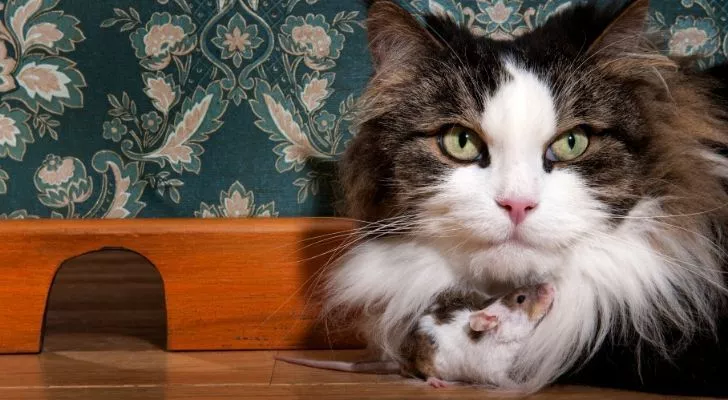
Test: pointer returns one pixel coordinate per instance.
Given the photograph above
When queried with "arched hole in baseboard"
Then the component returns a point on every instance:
(112, 299)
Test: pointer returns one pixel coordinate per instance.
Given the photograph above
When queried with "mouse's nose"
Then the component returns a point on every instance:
(517, 208)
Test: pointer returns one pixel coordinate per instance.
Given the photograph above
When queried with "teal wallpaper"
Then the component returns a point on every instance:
(213, 108)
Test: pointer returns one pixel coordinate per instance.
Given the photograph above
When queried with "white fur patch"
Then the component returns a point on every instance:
(518, 121)
(521, 110)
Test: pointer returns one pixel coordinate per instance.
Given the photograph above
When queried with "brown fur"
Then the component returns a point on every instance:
(531, 304)
(451, 301)
(418, 353)
(475, 336)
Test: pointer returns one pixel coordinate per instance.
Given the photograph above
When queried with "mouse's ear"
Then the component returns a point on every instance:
(480, 321)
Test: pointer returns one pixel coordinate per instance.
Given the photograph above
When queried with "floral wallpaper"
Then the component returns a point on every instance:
(214, 108)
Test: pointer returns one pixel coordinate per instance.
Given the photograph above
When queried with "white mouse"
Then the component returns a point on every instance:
(461, 337)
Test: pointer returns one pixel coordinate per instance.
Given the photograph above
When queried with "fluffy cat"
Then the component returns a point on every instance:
(576, 154)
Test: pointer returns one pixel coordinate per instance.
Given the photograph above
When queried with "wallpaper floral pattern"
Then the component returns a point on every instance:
(214, 108)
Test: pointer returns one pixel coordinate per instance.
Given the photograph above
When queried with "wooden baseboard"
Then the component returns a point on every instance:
(228, 283)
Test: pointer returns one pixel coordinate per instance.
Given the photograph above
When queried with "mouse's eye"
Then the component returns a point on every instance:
(521, 298)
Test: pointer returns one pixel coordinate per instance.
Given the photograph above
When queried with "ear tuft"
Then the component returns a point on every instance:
(394, 34)
(625, 33)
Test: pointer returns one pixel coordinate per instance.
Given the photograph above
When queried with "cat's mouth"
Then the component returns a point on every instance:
(478, 236)
(520, 241)
(516, 238)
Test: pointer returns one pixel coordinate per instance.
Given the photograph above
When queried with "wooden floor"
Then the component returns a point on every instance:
(152, 374)
(105, 329)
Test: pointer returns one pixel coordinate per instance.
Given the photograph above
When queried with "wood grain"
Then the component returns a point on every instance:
(157, 375)
(306, 392)
(228, 283)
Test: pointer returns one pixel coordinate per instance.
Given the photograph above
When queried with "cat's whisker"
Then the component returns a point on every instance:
(383, 226)
(668, 216)
(697, 270)
(676, 311)
(444, 41)
(332, 236)
(679, 312)
(334, 256)
(714, 245)
(392, 229)
(564, 95)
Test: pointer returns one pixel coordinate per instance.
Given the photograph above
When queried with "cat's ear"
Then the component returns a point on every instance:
(394, 35)
(625, 33)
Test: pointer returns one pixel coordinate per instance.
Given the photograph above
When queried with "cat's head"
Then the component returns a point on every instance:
(525, 147)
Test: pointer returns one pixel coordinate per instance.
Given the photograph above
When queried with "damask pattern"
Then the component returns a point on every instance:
(214, 108)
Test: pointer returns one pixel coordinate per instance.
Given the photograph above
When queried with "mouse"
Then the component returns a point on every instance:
(461, 337)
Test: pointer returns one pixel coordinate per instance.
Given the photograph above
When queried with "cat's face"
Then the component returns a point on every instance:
(522, 147)
(547, 172)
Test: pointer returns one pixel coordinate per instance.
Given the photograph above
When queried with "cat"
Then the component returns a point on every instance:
(577, 154)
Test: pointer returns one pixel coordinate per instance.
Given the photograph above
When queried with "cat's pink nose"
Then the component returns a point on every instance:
(517, 208)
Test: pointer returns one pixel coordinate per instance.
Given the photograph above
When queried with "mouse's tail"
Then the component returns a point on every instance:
(369, 367)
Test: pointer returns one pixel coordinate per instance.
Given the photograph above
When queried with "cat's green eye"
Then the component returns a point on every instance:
(568, 146)
(461, 143)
